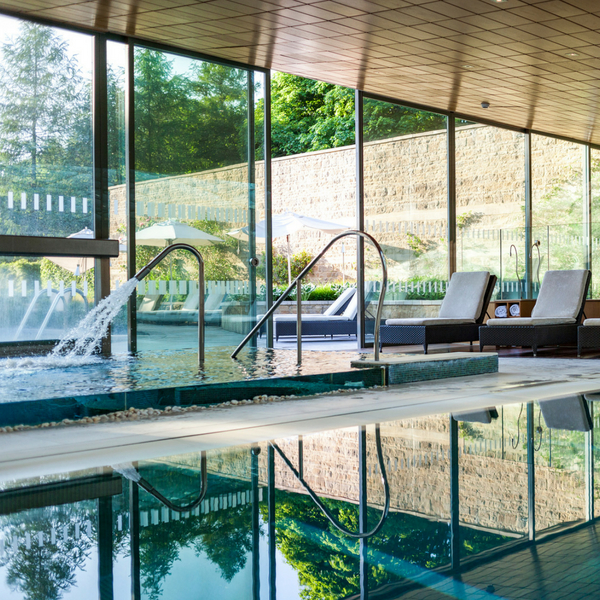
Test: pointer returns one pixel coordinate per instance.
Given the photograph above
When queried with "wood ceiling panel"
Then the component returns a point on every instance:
(449, 54)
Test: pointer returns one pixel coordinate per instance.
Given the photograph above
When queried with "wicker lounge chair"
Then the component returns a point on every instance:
(588, 335)
(554, 319)
(461, 314)
(338, 319)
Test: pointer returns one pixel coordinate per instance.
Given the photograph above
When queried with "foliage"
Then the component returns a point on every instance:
(188, 123)
(310, 291)
(468, 219)
(308, 115)
(221, 260)
(50, 271)
(298, 262)
(45, 129)
(327, 561)
(384, 120)
(420, 289)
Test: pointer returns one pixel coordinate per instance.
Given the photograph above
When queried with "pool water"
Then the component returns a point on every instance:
(476, 510)
(41, 389)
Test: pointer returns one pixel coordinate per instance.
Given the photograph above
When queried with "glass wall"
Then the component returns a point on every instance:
(558, 204)
(195, 179)
(405, 199)
(490, 204)
(313, 175)
(46, 174)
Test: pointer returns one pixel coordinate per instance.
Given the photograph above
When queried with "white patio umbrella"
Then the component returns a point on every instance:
(169, 232)
(77, 266)
(286, 224)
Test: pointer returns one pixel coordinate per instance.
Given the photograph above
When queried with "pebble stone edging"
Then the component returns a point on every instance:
(137, 414)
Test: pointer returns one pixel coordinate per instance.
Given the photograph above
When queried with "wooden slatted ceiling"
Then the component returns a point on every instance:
(536, 61)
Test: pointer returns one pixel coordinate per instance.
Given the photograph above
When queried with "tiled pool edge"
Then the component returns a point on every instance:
(37, 412)
(413, 368)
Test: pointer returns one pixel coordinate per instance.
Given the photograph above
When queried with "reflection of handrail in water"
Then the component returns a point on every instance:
(131, 473)
(59, 296)
(324, 509)
(297, 281)
(145, 270)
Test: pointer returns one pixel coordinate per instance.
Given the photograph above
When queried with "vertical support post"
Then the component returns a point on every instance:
(268, 208)
(360, 216)
(251, 202)
(301, 456)
(528, 217)
(531, 470)
(105, 545)
(272, 521)
(500, 276)
(451, 191)
(454, 498)
(299, 322)
(254, 452)
(134, 539)
(589, 468)
(587, 208)
(363, 524)
(101, 196)
(130, 190)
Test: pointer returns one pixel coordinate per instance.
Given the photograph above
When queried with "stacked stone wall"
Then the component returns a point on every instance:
(405, 190)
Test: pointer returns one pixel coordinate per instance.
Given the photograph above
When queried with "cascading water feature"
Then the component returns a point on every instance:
(78, 345)
(84, 339)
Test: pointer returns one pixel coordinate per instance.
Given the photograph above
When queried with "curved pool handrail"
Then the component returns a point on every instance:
(180, 246)
(326, 511)
(131, 473)
(297, 281)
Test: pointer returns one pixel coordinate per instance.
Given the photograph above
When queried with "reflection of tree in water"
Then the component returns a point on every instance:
(225, 537)
(45, 571)
(327, 562)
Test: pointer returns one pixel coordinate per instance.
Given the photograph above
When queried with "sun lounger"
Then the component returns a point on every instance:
(554, 319)
(188, 313)
(338, 319)
(461, 314)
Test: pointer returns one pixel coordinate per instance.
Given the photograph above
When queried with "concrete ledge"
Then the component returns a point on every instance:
(424, 367)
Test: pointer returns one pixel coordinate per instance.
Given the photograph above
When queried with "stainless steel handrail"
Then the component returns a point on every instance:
(143, 272)
(296, 284)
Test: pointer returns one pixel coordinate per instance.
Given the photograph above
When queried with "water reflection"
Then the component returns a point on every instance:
(518, 472)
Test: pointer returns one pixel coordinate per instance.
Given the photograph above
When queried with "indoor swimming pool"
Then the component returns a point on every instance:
(503, 498)
(37, 390)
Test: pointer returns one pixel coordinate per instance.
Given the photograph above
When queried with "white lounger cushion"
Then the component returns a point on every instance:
(592, 322)
(528, 321)
(313, 318)
(341, 301)
(561, 294)
(428, 321)
(464, 297)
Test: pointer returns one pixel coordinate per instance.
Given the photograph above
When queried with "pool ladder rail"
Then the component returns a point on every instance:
(157, 259)
(297, 284)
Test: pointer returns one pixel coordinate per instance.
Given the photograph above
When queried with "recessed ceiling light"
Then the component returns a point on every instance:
(498, 1)
(467, 66)
(571, 54)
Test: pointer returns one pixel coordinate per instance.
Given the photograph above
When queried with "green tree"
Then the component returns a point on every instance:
(45, 117)
(309, 115)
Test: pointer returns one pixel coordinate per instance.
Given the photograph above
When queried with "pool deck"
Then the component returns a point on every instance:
(54, 450)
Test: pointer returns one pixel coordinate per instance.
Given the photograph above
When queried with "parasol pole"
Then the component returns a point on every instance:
(289, 257)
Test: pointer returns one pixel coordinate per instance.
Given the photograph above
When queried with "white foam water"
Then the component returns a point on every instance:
(85, 338)
(77, 347)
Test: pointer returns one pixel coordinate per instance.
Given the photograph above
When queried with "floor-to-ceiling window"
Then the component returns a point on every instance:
(490, 204)
(405, 199)
(195, 183)
(558, 204)
(46, 174)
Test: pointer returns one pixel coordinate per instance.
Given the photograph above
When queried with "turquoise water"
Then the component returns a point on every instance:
(98, 534)
(38, 390)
